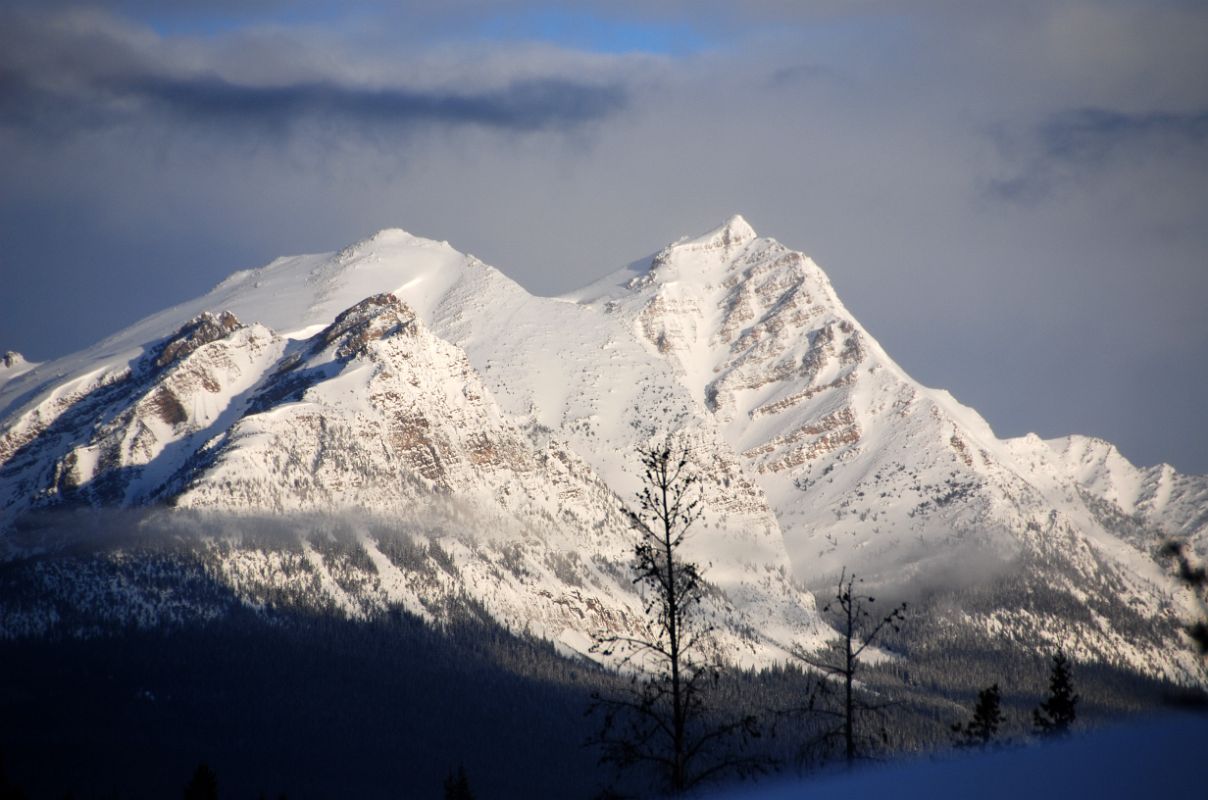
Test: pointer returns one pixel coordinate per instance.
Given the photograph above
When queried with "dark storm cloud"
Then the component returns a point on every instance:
(522, 105)
(1084, 140)
(57, 80)
(1091, 134)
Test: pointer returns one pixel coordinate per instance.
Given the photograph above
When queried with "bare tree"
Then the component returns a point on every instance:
(858, 630)
(662, 720)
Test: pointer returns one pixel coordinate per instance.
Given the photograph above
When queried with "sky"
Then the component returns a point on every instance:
(1011, 197)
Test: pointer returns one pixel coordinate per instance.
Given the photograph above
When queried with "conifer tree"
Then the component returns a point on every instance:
(1195, 576)
(457, 787)
(8, 791)
(1056, 714)
(203, 785)
(987, 716)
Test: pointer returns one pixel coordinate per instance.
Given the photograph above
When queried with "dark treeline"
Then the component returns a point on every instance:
(313, 706)
(302, 706)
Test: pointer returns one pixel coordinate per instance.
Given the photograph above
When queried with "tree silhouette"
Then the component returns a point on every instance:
(8, 791)
(457, 787)
(662, 720)
(203, 785)
(987, 716)
(1056, 714)
(858, 630)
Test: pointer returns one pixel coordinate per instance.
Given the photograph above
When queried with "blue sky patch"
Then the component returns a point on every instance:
(582, 30)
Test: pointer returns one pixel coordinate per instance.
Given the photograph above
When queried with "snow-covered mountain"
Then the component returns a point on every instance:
(494, 432)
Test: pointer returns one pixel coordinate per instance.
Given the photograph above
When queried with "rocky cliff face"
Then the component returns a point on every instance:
(113, 435)
(443, 434)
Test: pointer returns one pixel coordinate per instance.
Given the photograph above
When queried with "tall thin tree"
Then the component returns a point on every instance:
(858, 630)
(662, 720)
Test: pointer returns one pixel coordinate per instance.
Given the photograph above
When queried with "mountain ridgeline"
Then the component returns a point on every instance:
(400, 428)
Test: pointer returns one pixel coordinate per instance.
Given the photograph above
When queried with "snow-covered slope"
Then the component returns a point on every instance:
(12, 364)
(1155, 499)
(405, 380)
(376, 419)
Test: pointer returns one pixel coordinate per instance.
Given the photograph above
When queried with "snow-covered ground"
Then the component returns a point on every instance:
(1162, 757)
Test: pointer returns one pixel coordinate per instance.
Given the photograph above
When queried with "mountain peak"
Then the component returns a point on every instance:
(401, 378)
(386, 235)
(388, 240)
(737, 228)
(398, 236)
(735, 232)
